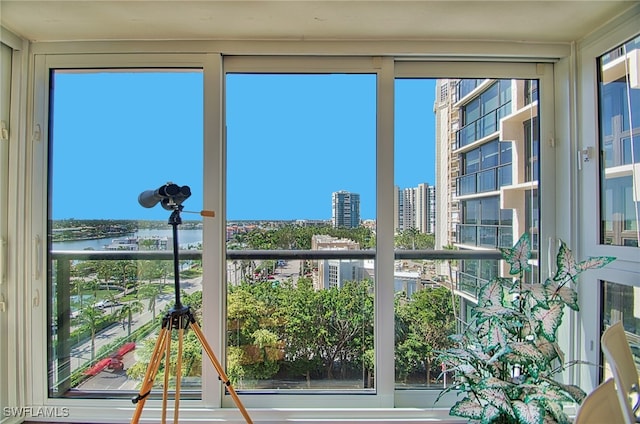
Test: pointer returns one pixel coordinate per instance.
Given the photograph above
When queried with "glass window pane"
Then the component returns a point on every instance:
(620, 304)
(487, 180)
(110, 142)
(423, 310)
(465, 217)
(489, 155)
(471, 161)
(470, 211)
(490, 207)
(505, 152)
(490, 99)
(301, 172)
(619, 119)
(467, 184)
(472, 112)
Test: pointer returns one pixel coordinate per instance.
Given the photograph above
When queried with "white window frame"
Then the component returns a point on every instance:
(384, 324)
(544, 72)
(12, 230)
(6, 58)
(626, 268)
(213, 229)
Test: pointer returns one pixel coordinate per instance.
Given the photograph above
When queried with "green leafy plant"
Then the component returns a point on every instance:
(506, 360)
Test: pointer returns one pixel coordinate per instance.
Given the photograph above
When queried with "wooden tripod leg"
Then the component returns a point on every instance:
(150, 374)
(167, 372)
(176, 410)
(198, 332)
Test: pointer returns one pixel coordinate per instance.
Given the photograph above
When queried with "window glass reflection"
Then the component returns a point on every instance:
(619, 101)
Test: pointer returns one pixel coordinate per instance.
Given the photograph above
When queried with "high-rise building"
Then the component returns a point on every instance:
(345, 209)
(487, 170)
(415, 208)
(447, 208)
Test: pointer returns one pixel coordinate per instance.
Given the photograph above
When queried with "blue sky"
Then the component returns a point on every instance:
(292, 140)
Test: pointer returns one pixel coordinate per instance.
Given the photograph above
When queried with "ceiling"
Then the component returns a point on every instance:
(530, 21)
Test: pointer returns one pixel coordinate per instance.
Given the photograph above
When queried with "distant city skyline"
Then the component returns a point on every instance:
(292, 140)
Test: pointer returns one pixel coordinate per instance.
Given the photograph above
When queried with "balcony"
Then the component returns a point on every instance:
(81, 359)
(486, 236)
(484, 181)
(482, 127)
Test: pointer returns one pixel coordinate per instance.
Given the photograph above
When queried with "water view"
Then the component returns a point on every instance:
(185, 237)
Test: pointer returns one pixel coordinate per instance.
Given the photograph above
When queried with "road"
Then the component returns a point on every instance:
(108, 379)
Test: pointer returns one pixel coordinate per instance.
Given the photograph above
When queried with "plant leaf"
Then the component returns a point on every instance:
(496, 336)
(567, 294)
(497, 398)
(467, 408)
(569, 268)
(549, 320)
(537, 294)
(489, 414)
(557, 412)
(575, 392)
(498, 354)
(550, 350)
(525, 352)
(529, 413)
(518, 256)
(492, 292)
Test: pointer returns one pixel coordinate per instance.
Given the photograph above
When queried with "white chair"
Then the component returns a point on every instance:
(615, 347)
(600, 406)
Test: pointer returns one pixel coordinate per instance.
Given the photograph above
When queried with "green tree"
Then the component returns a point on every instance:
(253, 336)
(346, 325)
(126, 313)
(424, 323)
(300, 304)
(151, 292)
(91, 318)
(412, 239)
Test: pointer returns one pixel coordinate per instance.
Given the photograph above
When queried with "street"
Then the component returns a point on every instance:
(114, 380)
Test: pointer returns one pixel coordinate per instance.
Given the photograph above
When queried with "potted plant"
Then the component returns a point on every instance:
(506, 360)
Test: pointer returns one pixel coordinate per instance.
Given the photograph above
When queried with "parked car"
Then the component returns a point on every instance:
(104, 304)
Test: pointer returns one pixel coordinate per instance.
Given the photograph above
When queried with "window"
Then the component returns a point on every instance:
(471, 168)
(285, 266)
(608, 121)
(620, 304)
(301, 172)
(494, 159)
(481, 116)
(619, 141)
(114, 135)
(532, 146)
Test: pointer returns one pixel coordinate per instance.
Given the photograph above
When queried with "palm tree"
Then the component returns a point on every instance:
(127, 311)
(90, 316)
(151, 292)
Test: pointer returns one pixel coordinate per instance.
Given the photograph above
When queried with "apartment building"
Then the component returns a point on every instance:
(334, 272)
(489, 161)
(414, 208)
(345, 209)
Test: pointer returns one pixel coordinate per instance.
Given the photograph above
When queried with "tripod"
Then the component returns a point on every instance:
(178, 318)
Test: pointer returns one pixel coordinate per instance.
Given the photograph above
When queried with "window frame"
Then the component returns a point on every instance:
(387, 69)
(212, 136)
(586, 212)
(544, 72)
(6, 70)
(15, 269)
(383, 326)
